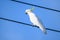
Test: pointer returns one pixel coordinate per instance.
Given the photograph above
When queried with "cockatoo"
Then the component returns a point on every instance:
(34, 19)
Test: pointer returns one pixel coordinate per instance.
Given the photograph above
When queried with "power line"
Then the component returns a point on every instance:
(36, 5)
(27, 24)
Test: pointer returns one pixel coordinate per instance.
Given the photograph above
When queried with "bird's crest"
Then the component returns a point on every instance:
(32, 9)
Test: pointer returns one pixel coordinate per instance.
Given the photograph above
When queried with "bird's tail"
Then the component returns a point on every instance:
(43, 29)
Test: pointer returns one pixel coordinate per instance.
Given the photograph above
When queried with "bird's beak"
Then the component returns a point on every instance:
(26, 13)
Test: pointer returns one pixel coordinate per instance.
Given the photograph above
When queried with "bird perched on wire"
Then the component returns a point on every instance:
(34, 19)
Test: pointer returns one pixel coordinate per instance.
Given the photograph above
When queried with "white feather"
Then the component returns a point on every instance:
(34, 19)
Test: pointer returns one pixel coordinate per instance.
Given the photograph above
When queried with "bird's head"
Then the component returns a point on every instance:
(29, 10)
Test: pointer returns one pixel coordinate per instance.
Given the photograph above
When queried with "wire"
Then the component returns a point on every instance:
(36, 5)
(27, 24)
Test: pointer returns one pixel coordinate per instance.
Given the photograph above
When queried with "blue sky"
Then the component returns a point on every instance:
(16, 11)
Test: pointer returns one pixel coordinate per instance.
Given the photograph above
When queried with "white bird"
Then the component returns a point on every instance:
(34, 19)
